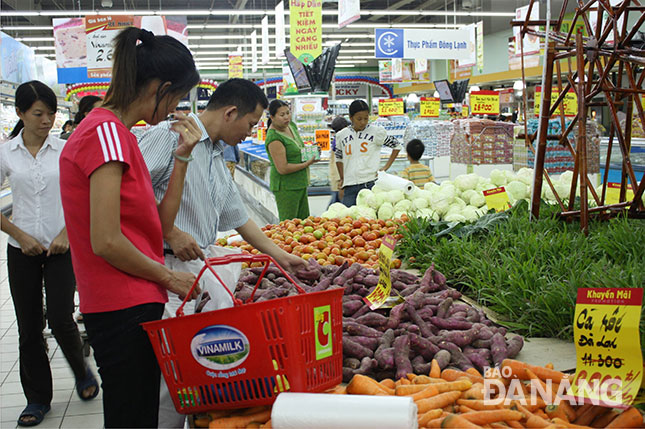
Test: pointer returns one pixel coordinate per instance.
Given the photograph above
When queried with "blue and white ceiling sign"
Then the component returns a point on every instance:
(419, 43)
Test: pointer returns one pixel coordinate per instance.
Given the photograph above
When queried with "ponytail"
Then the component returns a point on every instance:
(156, 57)
(16, 130)
(268, 123)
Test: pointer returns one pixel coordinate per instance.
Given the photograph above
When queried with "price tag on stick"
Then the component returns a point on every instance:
(430, 107)
(381, 292)
(497, 199)
(606, 333)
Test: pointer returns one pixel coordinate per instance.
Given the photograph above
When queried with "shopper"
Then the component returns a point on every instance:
(358, 152)
(115, 226)
(85, 106)
(232, 157)
(416, 172)
(210, 201)
(336, 125)
(66, 129)
(289, 176)
(38, 252)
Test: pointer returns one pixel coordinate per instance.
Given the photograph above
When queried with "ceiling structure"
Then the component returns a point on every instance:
(218, 27)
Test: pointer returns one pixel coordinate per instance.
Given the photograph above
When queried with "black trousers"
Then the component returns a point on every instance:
(129, 370)
(26, 275)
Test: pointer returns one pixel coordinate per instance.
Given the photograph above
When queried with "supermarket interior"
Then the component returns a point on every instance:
(382, 213)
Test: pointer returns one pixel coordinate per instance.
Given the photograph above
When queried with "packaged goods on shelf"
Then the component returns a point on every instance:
(395, 127)
(482, 141)
(637, 127)
(434, 134)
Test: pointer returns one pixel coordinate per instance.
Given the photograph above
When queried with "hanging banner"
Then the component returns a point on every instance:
(429, 107)
(265, 40)
(420, 66)
(305, 19)
(397, 70)
(17, 60)
(515, 57)
(391, 107)
(235, 66)
(570, 102)
(459, 73)
(348, 12)
(421, 43)
(407, 74)
(288, 83)
(254, 51)
(606, 334)
(531, 42)
(279, 30)
(484, 102)
(471, 60)
(480, 46)
(100, 31)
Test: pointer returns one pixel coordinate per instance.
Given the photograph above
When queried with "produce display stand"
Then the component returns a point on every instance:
(595, 57)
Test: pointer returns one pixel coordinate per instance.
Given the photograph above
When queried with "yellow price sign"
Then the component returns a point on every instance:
(464, 111)
(430, 107)
(497, 199)
(381, 292)
(613, 193)
(323, 138)
(391, 107)
(570, 102)
(606, 333)
(484, 102)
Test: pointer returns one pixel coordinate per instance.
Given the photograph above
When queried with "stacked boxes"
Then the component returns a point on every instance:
(434, 134)
(482, 141)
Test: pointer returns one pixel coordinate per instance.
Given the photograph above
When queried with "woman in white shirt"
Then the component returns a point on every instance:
(38, 252)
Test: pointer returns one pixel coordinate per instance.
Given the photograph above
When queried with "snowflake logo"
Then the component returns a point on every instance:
(387, 43)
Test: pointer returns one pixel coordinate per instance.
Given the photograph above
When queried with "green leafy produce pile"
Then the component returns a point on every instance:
(529, 272)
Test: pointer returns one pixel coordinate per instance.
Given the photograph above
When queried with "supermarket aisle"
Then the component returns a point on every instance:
(68, 411)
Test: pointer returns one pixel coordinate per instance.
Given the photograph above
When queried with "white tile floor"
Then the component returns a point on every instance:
(68, 411)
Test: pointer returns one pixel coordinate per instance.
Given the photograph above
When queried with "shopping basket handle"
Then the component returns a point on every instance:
(230, 259)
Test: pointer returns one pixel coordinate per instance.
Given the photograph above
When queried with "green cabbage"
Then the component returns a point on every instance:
(363, 195)
(386, 211)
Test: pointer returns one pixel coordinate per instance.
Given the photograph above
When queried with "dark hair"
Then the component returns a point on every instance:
(273, 108)
(241, 93)
(338, 123)
(415, 149)
(156, 57)
(27, 94)
(68, 122)
(358, 106)
(85, 106)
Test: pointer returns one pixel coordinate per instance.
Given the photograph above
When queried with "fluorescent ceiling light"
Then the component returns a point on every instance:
(350, 44)
(35, 39)
(26, 27)
(44, 48)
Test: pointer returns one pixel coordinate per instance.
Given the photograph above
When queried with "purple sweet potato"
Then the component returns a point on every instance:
(417, 299)
(360, 330)
(409, 290)
(399, 285)
(457, 307)
(473, 315)
(442, 310)
(396, 316)
(485, 332)
(414, 329)
(248, 278)
(402, 356)
(351, 363)
(348, 373)
(347, 274)
(370, 280)
(438, 278)
(483, 344)
(420, 366)
(477, 358)
(425, 312)
(513, 346)
(459, 338)
(451, 347)
(498, 349)
(412, 312)
(355, 350)
(460, 360)
(427, 276)
(362, 291)
(387, 338)
(385, 357)
(368, 342)
(404, 276)
(423, 347)
(443, 358)
(361, 311)
(449, 324)
(373, 320)
(367, 365)
(351, 307)
(244, 293)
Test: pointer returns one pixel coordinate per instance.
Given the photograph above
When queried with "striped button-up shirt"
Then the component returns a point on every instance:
(210, 200)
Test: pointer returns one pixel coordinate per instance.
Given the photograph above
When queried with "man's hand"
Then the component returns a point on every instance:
(184, 246)
(60, 244)
(290, 262)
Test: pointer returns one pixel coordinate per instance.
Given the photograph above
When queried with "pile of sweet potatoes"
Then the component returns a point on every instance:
(429, 324)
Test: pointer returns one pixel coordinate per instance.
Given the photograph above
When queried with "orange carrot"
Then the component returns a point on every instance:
(267, 425)
(563, 423)
(241, 421)
(409, 389)
(530, 419)
(549, 365)
(388, 382)
(485, 417)
(540, 413)
(424, 418)
(202, 422)
(402, 382)
(428, 392)
(475, 392)
(460, 385)
(464, 409)
(216, 414)
(514, 424)
(518, 370)
(475, 373)
(568, 410)
(582, 409)
(553, 411)
(449, 374)
(588, 416)
(421, 379)
(337, 390)
(630, 418)
(455, 421)
(605, 419)
(363, 385)
(438, 401)
(410, 376)
(253, 425)
(479, 405)
(435, 370)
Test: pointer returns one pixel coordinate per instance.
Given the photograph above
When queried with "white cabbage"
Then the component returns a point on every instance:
(363, 195)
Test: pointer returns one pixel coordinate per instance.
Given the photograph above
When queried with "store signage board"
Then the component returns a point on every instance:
(471, 60)
(421, 43)
(323, 138)
(254, 51)
(497, 199)
(391, 107)
(265, 40)
(531, 42)
(235, 66)
(305, 34)
(429, 107)
(348, 12)
(100, 31)
(570, 102)
(484, 102)
(613, 193)
(17, 62)
(397, 70)
(606, 334)
(279, 30)
(420, 66)
(480, 46)
(288, 82)
(406, 73)
(381, 292)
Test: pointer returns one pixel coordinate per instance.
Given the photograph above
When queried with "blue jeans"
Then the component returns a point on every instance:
(349, 199)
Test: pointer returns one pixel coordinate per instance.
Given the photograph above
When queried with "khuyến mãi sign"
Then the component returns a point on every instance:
(607, 338)
(381, 292)
(100, 31)
(305, 19)
(613, 193)
(429, 107)
(484, 103)
(497, 199)
(391, 107)
(235, 66)
(570, 102)
(322, 138)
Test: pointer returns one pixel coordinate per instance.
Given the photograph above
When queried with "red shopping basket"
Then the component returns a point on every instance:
(246, 355)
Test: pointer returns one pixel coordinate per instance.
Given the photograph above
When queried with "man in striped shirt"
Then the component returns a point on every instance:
(416, 172)
(210, 201)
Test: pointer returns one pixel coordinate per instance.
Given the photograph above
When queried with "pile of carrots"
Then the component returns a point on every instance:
(451, 398)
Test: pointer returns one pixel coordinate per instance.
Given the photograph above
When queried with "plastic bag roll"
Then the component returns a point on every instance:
(320, 411)
(390, 182)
